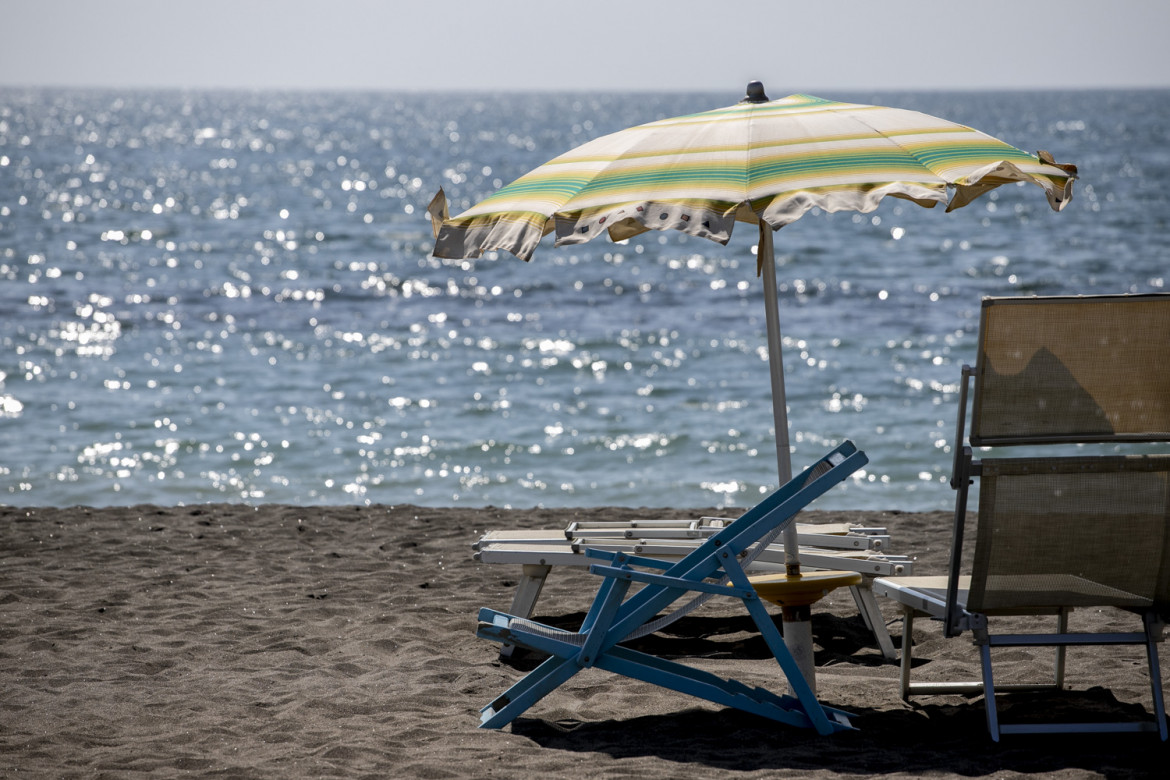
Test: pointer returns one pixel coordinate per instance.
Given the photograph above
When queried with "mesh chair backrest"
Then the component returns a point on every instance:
(1084, 531)
(1073, 369)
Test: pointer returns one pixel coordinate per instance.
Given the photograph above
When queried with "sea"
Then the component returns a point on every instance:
(229, 296)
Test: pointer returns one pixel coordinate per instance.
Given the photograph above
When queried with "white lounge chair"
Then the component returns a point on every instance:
(824, 546)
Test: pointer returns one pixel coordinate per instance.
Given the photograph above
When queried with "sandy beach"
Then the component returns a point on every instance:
(296, 642)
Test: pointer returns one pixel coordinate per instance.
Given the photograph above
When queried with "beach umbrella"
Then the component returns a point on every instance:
(765, 162)
(760, 161)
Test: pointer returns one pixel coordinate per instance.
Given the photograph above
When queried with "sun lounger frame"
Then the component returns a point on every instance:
(837, 546)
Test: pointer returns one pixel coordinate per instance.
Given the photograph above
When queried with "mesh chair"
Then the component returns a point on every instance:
(1058, 531)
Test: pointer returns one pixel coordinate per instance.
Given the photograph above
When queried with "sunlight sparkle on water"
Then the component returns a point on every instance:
(230, 297)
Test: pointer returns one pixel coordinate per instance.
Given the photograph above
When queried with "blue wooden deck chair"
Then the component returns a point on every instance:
(715, 567)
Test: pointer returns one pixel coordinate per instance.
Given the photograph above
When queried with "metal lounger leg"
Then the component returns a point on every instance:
(527, 592)
(907, 646)
(989, 690)
(871, 613)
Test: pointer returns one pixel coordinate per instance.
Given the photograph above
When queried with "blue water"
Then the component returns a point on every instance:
(218, 296)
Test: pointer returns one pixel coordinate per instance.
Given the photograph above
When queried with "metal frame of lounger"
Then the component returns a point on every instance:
(838, 536)
(1101, 378)
(839, 546)
(537, 556)
(713, 567)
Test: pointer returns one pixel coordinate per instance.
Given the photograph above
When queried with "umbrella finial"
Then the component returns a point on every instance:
(755, 93)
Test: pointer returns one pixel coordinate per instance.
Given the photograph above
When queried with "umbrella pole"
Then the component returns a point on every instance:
(767, 258)
(797, 619)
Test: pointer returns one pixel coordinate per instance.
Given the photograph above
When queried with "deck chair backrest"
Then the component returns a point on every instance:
(1061, 526)
(1065, 370)
(1073, 532)
(753, 531)
(1078, 369)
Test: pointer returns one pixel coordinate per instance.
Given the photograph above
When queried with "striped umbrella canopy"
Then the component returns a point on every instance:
(760, 161)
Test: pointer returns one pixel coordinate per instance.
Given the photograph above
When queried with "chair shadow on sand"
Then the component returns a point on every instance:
(837, 638)
(923, 737)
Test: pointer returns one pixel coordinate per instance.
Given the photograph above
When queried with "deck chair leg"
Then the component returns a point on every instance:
(1155, 674)
(796, 680)
(800, 686)
(527, 592)
(600, 618)
(534, 686)
(731, 693)
(1061, 650)
(989, 691)
(871, 613)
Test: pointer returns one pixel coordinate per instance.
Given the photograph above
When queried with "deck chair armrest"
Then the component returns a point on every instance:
(500, 627)
(671, 582)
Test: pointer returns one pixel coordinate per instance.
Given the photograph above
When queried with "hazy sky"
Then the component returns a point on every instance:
(615, 45)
